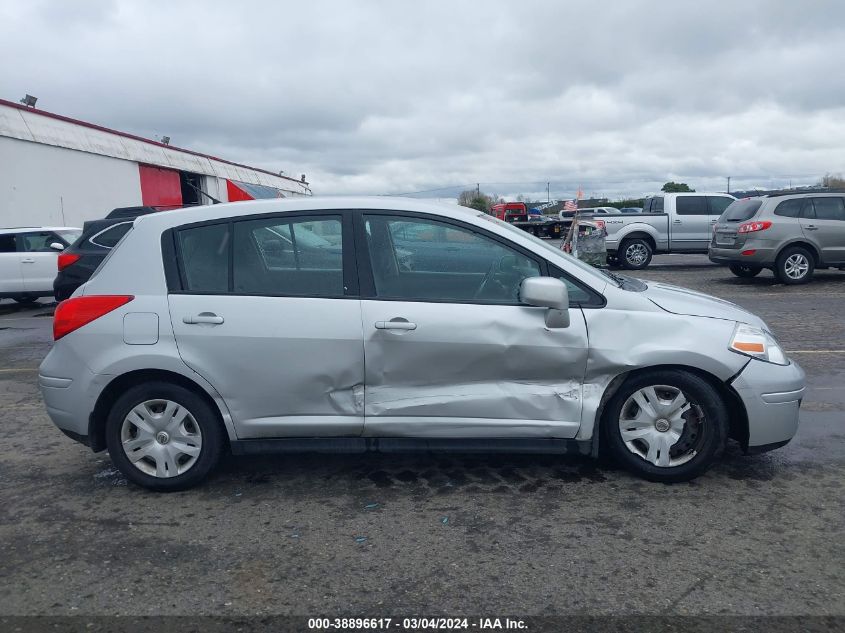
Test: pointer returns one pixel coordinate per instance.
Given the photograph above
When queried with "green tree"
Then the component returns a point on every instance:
(676, 187)
(476, 200)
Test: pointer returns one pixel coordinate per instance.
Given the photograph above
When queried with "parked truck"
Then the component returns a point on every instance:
(516, 213)
(669, 223)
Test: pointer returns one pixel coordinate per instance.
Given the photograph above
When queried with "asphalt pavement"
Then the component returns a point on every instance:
(435, 534)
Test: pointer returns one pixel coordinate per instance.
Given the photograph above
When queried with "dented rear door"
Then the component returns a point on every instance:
(267, 316)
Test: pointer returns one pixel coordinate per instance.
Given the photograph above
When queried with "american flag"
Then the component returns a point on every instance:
(570, 205)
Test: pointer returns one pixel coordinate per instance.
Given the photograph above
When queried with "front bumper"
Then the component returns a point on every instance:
(772, 396)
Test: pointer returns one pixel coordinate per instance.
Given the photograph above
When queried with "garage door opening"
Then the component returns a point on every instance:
(191, 185)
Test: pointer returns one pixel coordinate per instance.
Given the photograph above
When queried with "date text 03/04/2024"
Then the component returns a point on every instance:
(416, 623)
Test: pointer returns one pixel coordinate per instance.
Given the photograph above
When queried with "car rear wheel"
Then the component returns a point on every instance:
(164, 437)
(795, 265)
(745, 271)
(666, 426)
(635, 254)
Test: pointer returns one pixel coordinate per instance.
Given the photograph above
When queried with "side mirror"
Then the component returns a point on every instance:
(547, 292)
(57, 246)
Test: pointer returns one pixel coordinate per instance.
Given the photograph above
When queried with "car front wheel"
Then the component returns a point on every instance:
(164, 437)
(666, 426)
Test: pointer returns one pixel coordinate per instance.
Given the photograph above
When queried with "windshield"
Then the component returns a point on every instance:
(741, 210)
(595, 273)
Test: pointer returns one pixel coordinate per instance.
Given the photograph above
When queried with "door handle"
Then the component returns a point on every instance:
(396, 324)
(203, 317)
(810, 227)
(677, 221)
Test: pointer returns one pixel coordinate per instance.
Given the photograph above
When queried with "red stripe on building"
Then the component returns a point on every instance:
(236, 194)
(160, 187)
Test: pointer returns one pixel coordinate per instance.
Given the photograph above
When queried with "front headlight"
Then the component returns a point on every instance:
(757, 343)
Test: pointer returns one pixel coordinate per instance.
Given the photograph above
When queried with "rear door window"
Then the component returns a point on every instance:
(8, 243)
(691, 205)
(829, 208)
(300, 256)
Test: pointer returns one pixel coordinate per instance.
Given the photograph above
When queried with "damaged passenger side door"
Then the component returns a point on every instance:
(268, 313)
(449, 350)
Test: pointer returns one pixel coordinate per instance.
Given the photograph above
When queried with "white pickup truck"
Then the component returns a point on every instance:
(669, 223)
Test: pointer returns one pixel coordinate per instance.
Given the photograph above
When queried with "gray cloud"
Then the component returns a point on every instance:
(388, 97)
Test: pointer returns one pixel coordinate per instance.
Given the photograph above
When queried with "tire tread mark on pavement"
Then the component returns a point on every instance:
(704, 578)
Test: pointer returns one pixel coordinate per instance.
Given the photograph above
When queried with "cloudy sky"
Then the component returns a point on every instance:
(405, 96)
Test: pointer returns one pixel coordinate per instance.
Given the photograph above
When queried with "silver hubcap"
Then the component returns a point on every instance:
(161, 438)
(636, 254)
(796, 266)
(661, 425)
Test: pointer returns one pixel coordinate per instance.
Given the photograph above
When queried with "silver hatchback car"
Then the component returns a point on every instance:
(355, 324)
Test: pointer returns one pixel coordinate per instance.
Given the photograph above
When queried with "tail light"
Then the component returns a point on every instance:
(66, 259)
(753, 227)
(72, 314)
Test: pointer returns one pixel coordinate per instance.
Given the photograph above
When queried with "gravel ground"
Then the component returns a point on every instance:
(433, 534)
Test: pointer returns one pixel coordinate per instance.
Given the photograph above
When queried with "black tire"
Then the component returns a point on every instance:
(745, 271)
(26, 300)
(705, 430)
(635, 254)
(210, 427)
(785, 268)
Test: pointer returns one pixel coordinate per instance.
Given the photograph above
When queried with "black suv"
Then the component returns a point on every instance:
(79, 261)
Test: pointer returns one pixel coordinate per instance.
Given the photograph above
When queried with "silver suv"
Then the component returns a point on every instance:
(355, 324)
(791, 234)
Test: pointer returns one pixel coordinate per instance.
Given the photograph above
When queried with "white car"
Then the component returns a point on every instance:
(28, 260)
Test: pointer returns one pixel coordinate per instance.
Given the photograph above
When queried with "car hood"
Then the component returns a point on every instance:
(689, 302)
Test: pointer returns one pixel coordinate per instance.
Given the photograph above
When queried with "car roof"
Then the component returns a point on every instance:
(691, 193)
(804, 194)
(177, 217)
(28, 229)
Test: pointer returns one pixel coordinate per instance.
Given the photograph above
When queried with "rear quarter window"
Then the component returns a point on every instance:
(691, 205)
(789, 208)
(111, 236)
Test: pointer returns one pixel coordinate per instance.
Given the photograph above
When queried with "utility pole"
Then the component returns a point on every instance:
(478, 190)
(729, 184)
(548, 192)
